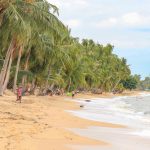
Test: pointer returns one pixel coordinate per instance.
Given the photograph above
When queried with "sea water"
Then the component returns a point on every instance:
(132, 111)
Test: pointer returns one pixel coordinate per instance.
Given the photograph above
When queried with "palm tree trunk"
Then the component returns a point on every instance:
(34, 85)
(5, 64)
(8, 74)
(26, 67)
(17, 68)
(69, 85)
(48, 76)
(4, 75)
(116, 84)
(52, 86)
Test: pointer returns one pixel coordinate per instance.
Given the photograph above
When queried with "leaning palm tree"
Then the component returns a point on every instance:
(22, 15)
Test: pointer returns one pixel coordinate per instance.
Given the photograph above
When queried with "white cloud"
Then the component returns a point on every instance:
(73, 23)
(131, 19)
(81, 2)
(128, 42)
(69, 3)
(136, 19)
(108, 23)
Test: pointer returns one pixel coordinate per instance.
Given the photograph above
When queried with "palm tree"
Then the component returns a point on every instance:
(38, 48)
(19, 15)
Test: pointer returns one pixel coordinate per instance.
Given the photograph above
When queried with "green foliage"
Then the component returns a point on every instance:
(51, 57)
(131, 83)
(145, 84)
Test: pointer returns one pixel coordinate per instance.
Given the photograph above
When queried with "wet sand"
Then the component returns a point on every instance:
(119, 139)
(118, 110)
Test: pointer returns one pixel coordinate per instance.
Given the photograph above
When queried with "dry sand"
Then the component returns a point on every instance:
(41, 123)
(110, 95)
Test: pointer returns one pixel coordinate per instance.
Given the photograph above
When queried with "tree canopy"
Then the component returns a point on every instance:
(144, 84)
(37, 48)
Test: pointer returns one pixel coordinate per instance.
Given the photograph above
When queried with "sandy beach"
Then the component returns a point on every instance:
(74, 75)
(46, 123)
(42, 123)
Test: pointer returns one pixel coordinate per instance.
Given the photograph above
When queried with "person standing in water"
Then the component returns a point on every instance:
(19, 94)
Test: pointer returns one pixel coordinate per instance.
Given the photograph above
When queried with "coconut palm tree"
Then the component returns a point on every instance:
(19, 14)
(36, 47)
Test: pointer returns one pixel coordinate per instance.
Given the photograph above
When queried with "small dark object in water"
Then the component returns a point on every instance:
(81, 106)
(146, 112)
(88, 100)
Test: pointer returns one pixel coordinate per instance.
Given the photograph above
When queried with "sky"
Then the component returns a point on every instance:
(123, 23)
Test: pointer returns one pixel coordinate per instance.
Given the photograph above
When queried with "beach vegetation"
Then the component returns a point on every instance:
(145, 84)
(37, 50)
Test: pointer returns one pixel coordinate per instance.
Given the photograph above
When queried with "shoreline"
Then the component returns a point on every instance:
(118, 110)
(42, 122)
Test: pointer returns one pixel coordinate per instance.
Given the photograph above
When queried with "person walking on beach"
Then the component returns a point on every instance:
(19, 94)
(73, 94)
